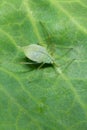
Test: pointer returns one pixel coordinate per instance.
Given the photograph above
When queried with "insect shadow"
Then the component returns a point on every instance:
(33, 65)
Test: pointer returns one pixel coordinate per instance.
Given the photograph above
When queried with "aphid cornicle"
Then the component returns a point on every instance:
(38, 53)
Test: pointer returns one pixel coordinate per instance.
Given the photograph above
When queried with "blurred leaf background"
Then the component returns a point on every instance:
(32, 99)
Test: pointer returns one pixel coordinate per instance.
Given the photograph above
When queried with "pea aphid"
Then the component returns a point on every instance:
(38, 53)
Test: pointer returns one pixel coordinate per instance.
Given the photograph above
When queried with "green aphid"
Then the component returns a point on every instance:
(38, 54)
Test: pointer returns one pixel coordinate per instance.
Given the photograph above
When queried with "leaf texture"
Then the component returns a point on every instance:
(41, 99)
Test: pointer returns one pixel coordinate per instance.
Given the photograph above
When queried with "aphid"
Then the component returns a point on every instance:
(38, 53)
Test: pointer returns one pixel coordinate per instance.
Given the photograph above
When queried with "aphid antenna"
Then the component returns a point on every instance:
(46, 32)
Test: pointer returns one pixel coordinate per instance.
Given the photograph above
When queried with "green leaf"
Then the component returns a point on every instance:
(43, 99)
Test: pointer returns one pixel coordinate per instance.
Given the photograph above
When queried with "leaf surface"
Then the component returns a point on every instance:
(41, 99)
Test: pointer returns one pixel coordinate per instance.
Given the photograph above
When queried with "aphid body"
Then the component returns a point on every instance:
(38, 53)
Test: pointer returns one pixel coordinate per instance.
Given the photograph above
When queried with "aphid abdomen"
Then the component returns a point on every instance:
(37, 53)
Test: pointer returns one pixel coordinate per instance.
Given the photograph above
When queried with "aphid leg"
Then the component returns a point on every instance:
(63, 47)
(59, 69)
(42, 64)
(69, 63)
(27, 63)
